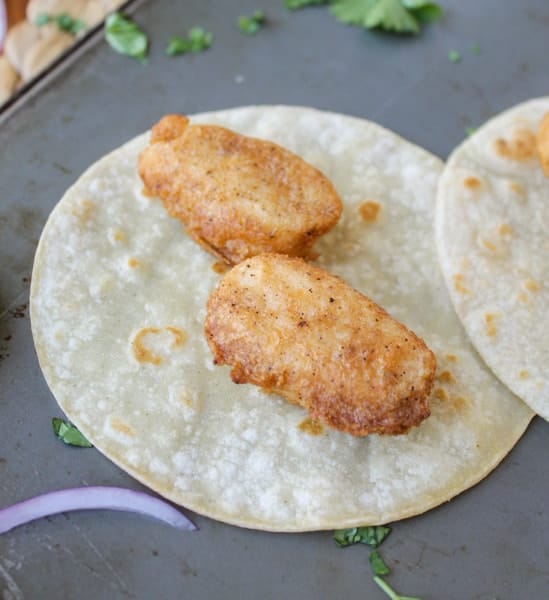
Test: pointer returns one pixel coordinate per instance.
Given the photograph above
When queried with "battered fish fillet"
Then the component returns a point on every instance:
(543, 144)
(294, 329)
(237, 196)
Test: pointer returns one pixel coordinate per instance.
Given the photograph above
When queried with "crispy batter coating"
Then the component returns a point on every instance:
(237, 196)
(297, 330)
(543, 144)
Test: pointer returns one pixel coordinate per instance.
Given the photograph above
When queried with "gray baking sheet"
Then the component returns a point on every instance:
(490, 542)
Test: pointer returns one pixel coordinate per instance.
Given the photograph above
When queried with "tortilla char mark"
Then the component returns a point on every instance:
(543, 143)
(237, 196)
(294, 329)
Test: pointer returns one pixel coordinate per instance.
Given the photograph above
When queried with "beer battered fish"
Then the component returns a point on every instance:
(237, 196)
(297, 330)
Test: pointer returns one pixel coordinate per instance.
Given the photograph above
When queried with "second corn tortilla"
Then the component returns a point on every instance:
(118, 303)
(491, 228)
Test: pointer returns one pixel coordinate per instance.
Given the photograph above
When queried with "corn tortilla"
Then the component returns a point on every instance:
(118, 301)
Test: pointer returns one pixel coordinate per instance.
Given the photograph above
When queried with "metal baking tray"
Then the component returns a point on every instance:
(491, 541)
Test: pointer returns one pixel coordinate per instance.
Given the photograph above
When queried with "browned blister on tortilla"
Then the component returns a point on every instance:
(543, 144)
(303, 333)
(237, 196)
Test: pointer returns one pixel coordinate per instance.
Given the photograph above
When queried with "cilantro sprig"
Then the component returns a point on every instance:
(371, 536)
(197, 40)
(397, 16)
(390, 592)
(69, 434)
(251, 25)
(378, 564)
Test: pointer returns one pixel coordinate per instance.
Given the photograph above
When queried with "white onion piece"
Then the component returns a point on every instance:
(91, 498)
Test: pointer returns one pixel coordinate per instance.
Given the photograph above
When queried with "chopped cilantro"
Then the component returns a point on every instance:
(372, 536)
(475, 49)
(470, 130)
(297, 4)
(399, 16)
(63, 21)
(454, 56)
(197, 40)
(253, 24)
(390, 592)
(126, 37)
(69, 433)
(378, 564)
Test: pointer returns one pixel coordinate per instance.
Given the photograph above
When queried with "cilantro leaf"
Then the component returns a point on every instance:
(454, 56)
(399, 16)
(251, 25)
(378, 564)
(423, 10)
(297, 4)
(372, 536)
(352, 12)
(63, 21)
(390, 592)
(66, 23)
(125, 37)
(197, 40)
(391, 16)
(69, 433)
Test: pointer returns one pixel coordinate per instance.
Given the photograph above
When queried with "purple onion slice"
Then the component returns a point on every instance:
(91, 498)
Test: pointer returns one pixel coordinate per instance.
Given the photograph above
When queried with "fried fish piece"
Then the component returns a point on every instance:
(237, 196)
(301, 332)
(543, 144)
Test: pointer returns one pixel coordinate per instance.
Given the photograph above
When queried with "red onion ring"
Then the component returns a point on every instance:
(92, 498)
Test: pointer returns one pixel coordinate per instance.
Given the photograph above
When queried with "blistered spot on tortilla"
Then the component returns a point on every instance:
(490, 324)
(83, 211)
(460, 403)
(522, 297)
(369, 211)
(117, 235)
(220, 267)
(493, 245)
(440, 394)
(531, 285)
(523, 374)
(141, 353)
(133, 263)
(458, 284)
(486, 244)
(451, 357)
(518, 190)
(445, 377)
(472, 183)
(187, 399)
(543, 144)
(179, 335)
(521, 147)
(311, 426)
(505, 230)
(121, 427)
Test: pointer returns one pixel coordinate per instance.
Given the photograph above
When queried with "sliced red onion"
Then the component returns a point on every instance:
(91, 498)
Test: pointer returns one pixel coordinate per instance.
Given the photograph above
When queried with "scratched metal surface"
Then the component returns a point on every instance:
(490, 542)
